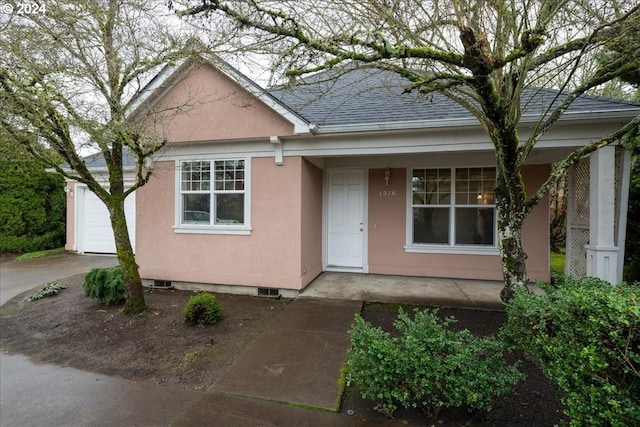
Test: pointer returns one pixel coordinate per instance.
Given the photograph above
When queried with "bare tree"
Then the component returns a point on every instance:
(480, 53)
(70, 76)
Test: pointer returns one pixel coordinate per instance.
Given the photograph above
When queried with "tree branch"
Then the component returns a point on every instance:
(631, 128)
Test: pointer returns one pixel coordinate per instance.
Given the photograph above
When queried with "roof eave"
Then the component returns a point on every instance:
(468, 121)
(396, 126)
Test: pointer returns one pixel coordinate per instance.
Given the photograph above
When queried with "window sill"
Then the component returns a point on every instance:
(213, 229)
(454, 250)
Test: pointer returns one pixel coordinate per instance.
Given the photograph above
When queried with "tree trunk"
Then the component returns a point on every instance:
(134, 302)
(511, 215)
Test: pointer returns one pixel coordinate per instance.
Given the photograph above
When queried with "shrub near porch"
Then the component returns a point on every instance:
(428, 366)
(584, 333)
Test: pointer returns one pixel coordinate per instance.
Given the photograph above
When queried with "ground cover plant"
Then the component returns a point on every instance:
(585, 333)
(47, 290)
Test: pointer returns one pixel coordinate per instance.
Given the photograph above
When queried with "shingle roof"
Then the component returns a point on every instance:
(367, 95)
(96, 161)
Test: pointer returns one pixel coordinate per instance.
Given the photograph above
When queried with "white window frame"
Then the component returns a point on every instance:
(451, 247)
(233, 229)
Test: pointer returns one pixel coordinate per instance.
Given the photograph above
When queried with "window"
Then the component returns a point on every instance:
(213, 193)
(453, 207)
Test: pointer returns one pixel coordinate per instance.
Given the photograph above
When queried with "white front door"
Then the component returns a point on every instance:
(345, 223)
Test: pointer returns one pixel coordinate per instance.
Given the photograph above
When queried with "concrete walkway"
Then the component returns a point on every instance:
(298, 359)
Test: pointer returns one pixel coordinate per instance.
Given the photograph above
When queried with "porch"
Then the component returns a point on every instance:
(459, 293)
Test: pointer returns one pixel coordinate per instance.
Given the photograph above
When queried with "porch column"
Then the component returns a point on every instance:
(602, 254)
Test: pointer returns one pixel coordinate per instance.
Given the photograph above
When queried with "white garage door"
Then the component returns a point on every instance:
(95, 233)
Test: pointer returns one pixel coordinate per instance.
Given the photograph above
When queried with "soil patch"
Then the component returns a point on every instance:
(70, 329)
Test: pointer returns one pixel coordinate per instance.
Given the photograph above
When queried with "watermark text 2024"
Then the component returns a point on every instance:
(23, 8)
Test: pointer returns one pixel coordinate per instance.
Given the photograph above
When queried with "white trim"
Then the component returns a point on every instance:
(346, 269)
(277, 144)
(155, 84)
(239, 229)
(446, 249)
(212, 229)
(630, 113)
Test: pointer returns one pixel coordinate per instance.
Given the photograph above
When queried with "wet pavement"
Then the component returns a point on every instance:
(17, 277)
(298, 359)
(33, 394)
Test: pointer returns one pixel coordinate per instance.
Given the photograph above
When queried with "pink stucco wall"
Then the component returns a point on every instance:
(387, 236)
(270, 257)
(311, 217)
(71, 221)
(207, 105)
(535, 233)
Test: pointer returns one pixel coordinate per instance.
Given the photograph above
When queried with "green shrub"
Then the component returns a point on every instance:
(47, 290)
(32, 206)
(203, 308)
(427, 366)
(584, 333)
(106, 285)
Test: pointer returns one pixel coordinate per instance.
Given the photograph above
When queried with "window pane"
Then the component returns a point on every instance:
(229, 175)
(195, 176)
(477, 183)
(462, 198)
(196, 208)
(475, 173)
(431, 225)
(229, 208)
(475, 226)
(431, 186)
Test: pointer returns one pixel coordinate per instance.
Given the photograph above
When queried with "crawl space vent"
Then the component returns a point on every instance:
(269, 292)
(162, 283)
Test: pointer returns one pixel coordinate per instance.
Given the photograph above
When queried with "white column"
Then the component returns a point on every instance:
(602, 254)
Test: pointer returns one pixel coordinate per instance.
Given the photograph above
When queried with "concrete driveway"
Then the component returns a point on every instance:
(17, 277)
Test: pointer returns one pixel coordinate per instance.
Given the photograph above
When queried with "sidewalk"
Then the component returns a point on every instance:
(298, 359)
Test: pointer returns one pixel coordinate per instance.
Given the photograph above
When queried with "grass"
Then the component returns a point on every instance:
(40, 254)
(557, 262)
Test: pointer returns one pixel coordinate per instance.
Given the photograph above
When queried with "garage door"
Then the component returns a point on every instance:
(96, 234)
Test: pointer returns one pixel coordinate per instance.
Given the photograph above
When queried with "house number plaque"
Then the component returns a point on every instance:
(388, 193)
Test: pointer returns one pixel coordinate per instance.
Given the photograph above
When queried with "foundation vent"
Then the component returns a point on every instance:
(269, 292)
(162, 283)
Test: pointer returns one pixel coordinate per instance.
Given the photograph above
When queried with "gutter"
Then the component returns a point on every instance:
(316, 129)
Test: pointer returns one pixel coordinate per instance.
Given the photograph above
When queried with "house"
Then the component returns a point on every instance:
(266, 190)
